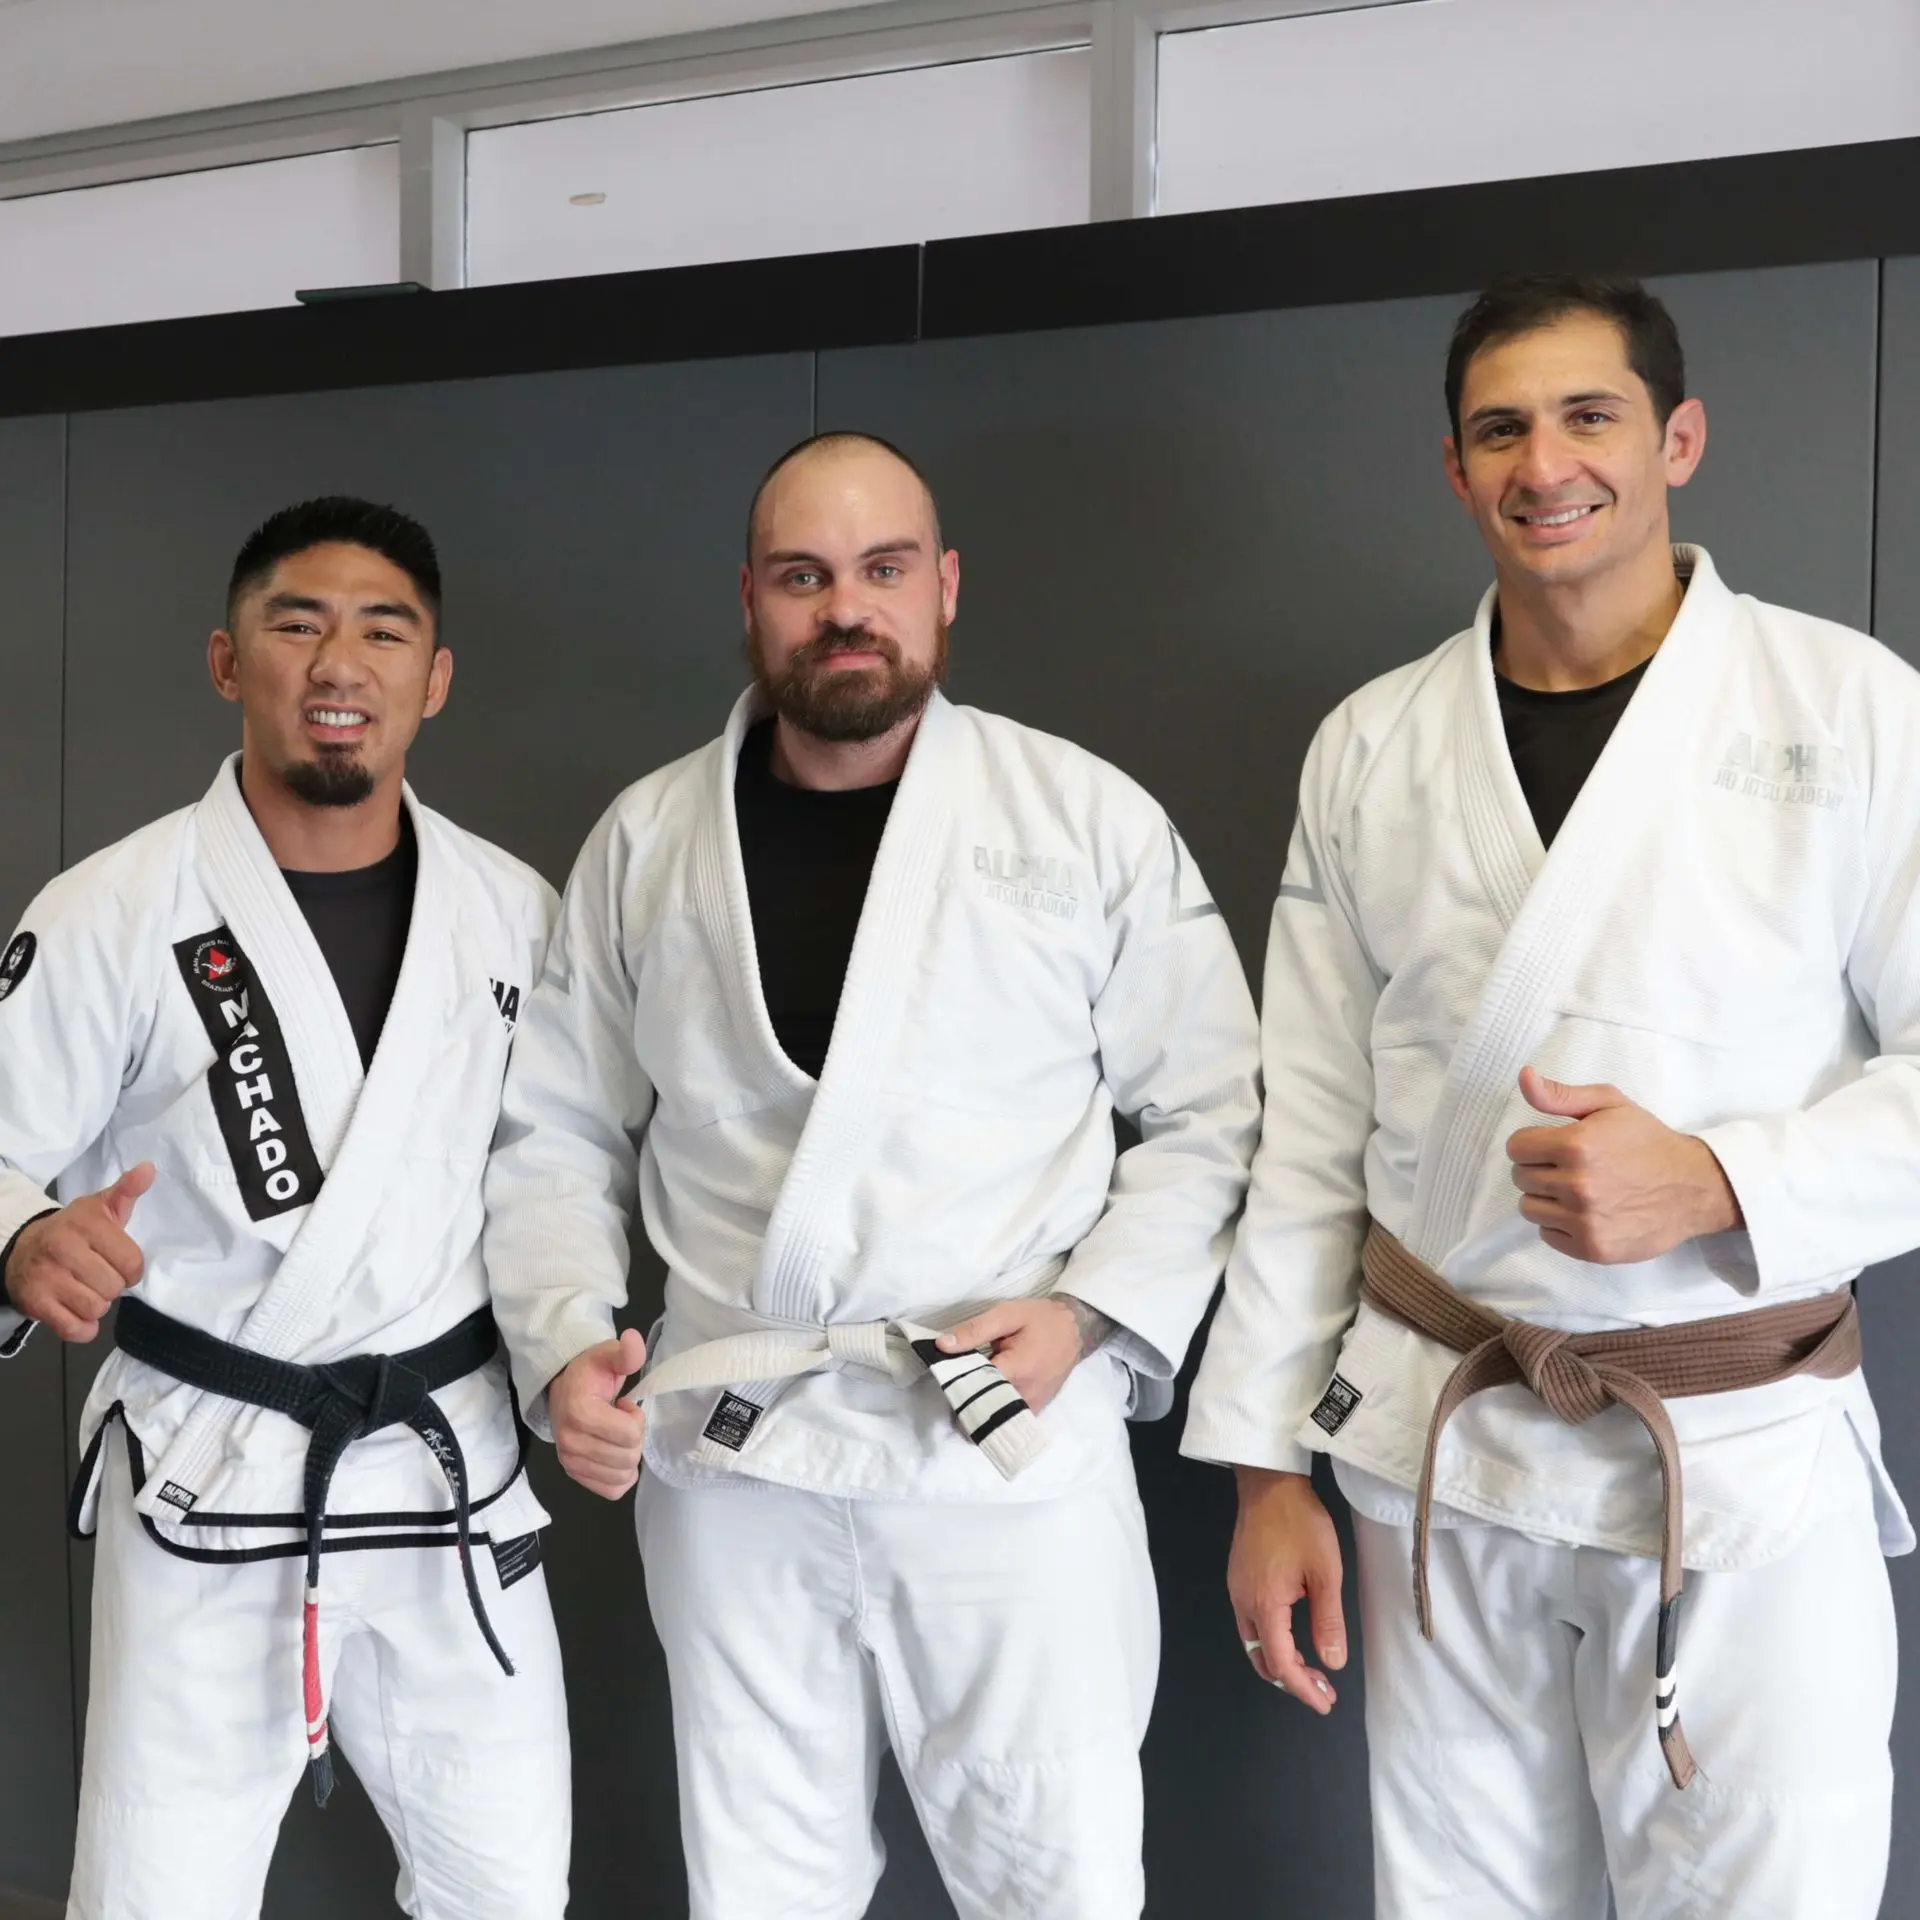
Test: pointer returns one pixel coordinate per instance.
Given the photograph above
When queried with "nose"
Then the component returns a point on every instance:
(846, 606)
(1546, 461)
(335, 665)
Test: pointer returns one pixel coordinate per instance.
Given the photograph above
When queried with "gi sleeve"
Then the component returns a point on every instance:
(1833, 1187)
(69, 1032)
(1293, 1275)
(1179, 1051)
(564, 1174)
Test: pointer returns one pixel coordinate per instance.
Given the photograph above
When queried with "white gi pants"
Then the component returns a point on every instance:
(1007, 1652)
(1514, 1765)
(196, 1737)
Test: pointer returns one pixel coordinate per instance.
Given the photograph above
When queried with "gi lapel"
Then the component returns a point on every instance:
(358, 1127)
(1545, 902)
(793, 1283)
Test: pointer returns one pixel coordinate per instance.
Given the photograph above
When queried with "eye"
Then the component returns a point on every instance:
(1499, 430)
(805, 578)
(888, 570)
(387, 633)
(295, 626)
(1593, 417)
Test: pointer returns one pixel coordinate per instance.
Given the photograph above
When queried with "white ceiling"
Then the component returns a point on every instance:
(67, 64)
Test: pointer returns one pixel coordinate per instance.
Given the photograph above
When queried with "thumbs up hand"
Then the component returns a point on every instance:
(1617, 1184)
(598, 1436)
(67, 1268)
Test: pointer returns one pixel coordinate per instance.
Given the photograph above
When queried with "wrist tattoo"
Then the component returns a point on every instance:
(1096, 1329)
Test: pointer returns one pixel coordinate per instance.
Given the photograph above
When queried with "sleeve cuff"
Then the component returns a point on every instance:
(1221, 1448)
(1746, 1157)
(536, 1368)
(15, 1328)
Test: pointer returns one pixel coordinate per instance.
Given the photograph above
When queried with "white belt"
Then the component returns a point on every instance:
(755, 1366)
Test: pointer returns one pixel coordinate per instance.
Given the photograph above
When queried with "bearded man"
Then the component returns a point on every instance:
(846, 1002)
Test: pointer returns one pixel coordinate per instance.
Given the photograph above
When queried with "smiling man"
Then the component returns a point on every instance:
(256, 1052)
(1592, 1047)
(846, 1002)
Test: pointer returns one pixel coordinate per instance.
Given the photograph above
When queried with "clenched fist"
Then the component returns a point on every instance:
(68, 1268)
(598, 1436)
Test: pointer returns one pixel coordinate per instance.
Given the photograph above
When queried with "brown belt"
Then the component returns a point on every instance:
(1580, 1374)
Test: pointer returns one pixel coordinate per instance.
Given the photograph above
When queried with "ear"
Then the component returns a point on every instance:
(950, 585)
(223, 664)
(439, 681)
(1456, 473)
(746, 591)
(1686, 442)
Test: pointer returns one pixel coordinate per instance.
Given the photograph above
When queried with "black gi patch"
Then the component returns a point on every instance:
(732, 1421)
(16, 961)
(1336, 1405)
(175, 1495)
(507, 998)
(515, 1559)
(255, 1097)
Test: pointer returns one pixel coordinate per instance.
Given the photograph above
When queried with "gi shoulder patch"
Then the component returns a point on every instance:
(16, 962)
(255, 1097)
(732, 1421)
(1336, 1405)
(175, 1495)
(515, 1559)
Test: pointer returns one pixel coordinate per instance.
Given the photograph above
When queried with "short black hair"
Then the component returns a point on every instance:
(338, 517)
(839, 437)
(1513, 307)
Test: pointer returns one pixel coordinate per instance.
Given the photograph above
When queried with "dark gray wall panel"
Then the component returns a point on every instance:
(1897, 543)
(36, 1701)
(1182, 543)
(589, 529)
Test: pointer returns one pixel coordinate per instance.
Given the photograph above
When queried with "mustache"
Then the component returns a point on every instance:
(831, 640)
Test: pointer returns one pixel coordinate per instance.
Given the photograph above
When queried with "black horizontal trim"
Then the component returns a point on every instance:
(537, 326)
(1757, 210)
(1696, 216)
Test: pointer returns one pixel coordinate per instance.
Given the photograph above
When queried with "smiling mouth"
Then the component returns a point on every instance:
(337, 719)
(1562, 517)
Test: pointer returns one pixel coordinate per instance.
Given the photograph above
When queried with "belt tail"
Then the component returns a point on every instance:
(319, 1747)
(987, 1407)
(1666, 1699)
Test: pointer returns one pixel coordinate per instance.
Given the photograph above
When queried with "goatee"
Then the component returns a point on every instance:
(847, 703)
(333, 780)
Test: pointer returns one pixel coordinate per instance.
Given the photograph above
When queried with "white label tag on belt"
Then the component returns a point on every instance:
(732, 1421)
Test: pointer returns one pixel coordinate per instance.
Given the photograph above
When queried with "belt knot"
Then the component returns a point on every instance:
(385, 1391)
(1561, 1377)
(860, 1343)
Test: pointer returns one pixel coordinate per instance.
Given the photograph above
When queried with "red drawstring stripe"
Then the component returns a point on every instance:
(316, 1703)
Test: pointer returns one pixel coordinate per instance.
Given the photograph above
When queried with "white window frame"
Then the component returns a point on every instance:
(430, 114)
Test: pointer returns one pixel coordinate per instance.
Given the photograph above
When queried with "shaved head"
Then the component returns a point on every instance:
(841, 444)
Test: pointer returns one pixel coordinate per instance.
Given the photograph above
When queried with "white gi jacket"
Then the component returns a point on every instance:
(1725, 929)
(301, 1209)
(1037, 950)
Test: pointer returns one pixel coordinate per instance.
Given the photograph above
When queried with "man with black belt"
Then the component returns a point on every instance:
(256, 1049)
(845, 1002)
(1611, 901)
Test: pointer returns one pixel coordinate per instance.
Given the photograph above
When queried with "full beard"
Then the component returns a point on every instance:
(337, 778)
(847, 703)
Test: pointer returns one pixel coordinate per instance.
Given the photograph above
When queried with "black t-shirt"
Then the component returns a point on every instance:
(1555, 738)
(360, 919)
(808, 857)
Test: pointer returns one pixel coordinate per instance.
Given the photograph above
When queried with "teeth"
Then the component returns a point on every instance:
(1555, 519)
(336, 717)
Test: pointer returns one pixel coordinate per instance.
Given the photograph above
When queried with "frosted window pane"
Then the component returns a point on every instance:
(979, 147)
(1444, 91)
(211, 242)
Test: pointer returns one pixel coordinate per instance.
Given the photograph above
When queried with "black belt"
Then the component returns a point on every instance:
(339, 1403)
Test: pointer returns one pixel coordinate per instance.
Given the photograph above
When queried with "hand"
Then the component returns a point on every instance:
(1617, 1185)
(1284, 1551)
(1036, 1343)
(68, 1268)
(597, 1435)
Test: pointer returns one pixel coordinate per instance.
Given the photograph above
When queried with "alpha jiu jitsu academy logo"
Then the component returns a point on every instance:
(1029, 880)
(251, 1083)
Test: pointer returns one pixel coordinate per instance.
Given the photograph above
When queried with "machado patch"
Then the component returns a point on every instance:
(1336, 1405)
(17, 962)
(732, 1421)
(251, 1080)
(515, 1559)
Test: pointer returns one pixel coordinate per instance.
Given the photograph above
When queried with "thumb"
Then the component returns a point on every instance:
(629, 1355)
(981, 1331)
(121, 1196)
(1565, 1102)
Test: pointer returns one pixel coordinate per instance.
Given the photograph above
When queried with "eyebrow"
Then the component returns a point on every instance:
(276, 603)
(782, 556)
(1507, 411)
